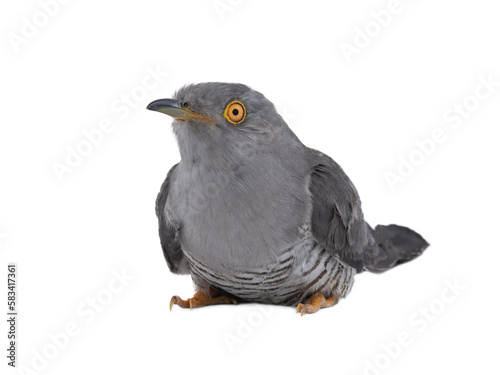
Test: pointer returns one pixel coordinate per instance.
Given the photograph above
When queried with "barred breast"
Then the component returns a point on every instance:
(299, 271)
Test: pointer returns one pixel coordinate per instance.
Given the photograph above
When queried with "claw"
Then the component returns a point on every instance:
(173, 300)
(300, 308)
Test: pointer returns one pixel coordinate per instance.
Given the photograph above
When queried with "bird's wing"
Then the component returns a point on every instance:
(169, 230)
(337, 221)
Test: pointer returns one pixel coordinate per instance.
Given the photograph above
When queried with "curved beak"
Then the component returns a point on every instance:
(172, 107)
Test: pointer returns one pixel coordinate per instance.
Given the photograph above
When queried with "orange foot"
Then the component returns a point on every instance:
(316, 302)
(201, 299)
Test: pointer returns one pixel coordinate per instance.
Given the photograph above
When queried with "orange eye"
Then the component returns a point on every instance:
(235, 112)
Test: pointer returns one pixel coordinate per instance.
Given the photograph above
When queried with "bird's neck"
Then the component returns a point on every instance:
(203, 150)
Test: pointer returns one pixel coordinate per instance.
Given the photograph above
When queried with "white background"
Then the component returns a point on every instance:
(69, 237)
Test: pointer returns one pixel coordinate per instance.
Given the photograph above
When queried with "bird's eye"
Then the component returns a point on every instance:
(185, 105)
(235, 112)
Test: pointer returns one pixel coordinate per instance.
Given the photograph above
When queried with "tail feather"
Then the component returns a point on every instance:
(396, 245)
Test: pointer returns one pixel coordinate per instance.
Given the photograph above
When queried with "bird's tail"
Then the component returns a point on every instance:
(396, 245)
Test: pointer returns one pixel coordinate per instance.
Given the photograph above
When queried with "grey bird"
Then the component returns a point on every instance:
(253, 215)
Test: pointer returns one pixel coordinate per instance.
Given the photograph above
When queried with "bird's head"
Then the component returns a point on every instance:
(220, 119)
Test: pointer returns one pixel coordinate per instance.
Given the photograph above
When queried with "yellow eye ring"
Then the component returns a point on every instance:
(235, 112)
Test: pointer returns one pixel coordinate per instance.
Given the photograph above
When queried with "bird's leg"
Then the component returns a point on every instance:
(201, 299)
(316, 302)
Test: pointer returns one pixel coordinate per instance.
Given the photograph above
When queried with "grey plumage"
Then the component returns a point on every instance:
(253, 213)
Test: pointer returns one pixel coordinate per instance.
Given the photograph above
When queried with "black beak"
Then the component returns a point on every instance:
(173, 107)
(161, 104)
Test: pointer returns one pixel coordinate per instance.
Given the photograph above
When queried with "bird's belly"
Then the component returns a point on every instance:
(297, 273)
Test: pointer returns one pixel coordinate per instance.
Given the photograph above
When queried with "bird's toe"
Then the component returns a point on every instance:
(316, 302)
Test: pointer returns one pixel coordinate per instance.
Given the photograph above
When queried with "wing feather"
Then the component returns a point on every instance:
(169, 230)
(337, 220)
